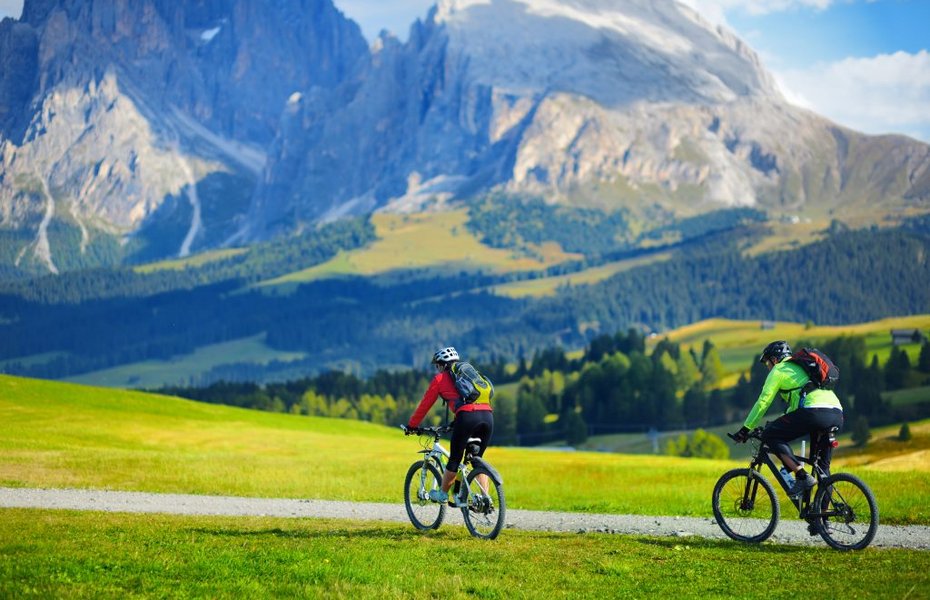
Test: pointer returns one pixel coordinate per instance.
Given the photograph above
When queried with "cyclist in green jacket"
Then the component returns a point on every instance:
(806, 413)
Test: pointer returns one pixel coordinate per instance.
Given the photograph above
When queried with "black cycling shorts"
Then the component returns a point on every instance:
(803, 421)
(472, 423)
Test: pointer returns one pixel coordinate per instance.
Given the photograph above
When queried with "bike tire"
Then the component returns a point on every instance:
(852, 519)
(485, 513)
(750, 520)
(423, 512)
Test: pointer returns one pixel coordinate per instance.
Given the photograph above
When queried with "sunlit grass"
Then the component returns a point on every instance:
(55, 554)
(437, 240)
(547, 286)
(62, 435)
(197, 260)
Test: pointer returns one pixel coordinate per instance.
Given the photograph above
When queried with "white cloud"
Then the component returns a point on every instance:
(888, 93)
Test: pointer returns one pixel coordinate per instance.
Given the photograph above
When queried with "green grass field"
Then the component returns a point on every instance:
(547, 286)
(179, 370)
(56, 554)
(63, 435)
(66, 435)
(437, 240)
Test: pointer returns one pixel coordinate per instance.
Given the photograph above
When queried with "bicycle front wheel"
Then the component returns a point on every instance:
(484, 514)
(745, 506)
(847, 516)
(422, 477)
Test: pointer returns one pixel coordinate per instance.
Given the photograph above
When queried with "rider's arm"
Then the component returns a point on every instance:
(429, 398)
(773, 383)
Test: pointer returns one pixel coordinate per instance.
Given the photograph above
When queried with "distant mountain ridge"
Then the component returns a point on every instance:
(116, 115)
(141, 130)
(593, 102)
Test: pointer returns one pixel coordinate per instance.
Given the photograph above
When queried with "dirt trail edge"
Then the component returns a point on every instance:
(788, 532)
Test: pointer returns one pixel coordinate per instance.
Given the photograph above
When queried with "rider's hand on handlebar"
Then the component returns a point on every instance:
(741, 436)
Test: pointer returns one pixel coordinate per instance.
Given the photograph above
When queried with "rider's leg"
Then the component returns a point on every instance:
(447, 478)
(779, 433)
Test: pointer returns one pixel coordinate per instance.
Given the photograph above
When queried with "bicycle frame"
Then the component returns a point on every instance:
(763, 456)
(840, 507)
(440, 456)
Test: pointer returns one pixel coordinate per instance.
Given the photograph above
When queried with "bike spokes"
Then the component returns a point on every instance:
(847, 516)
(745, 506)
(423, 513)
(485, 509)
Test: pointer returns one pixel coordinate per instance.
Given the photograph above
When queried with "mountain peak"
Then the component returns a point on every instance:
(614, 52)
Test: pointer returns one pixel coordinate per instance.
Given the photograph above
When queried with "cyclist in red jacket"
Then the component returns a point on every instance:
(471, 420)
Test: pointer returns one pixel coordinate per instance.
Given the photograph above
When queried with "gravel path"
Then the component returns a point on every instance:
(788, 532)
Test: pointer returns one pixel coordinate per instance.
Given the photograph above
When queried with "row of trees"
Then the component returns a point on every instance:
(616, 385)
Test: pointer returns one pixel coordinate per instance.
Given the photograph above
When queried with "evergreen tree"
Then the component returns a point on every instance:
(505, 418)
(695, 406)
(531, 414)
(576, 430)
(923, 361)
(687, 373)
(897, 369)
(711, 366)
(861, 434)
(904, 434)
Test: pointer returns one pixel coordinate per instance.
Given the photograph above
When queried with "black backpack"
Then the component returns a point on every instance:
(472, 386)
(823, 373)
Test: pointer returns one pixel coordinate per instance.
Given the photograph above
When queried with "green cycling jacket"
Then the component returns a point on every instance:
(786, 380)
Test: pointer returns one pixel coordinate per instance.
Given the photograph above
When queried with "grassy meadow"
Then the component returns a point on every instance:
(438, 240)
(65, 435)
(179, 370)
(55, 554)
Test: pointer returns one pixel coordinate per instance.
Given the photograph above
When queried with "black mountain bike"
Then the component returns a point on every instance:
(843, 511)
(478, 489)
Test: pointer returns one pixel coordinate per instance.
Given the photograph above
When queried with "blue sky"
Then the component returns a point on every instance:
(862, 63)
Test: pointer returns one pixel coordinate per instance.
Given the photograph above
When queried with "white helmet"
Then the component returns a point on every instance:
(446, 355)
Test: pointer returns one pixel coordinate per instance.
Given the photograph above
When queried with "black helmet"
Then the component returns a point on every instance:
(776, 351)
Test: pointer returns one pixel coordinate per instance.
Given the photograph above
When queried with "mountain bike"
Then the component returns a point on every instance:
(843, 511)
(481, 498)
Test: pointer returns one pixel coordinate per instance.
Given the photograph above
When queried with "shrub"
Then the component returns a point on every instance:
(700, 445)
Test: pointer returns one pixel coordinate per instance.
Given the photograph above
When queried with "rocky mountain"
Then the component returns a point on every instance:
(116, 117)
(159, 128)
(591, 101)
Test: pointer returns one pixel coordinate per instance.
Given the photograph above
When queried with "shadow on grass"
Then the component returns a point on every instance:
(316, 533)
(699, 542)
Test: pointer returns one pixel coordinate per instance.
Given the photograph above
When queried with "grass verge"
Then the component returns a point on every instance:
(56, 554)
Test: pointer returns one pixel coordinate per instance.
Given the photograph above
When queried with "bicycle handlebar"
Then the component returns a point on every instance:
(754, 434)
(434, 431)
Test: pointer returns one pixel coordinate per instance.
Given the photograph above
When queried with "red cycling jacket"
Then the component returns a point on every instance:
(442, 386)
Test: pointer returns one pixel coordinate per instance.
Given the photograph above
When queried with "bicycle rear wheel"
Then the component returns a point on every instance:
(484, 515)
(424, 513)
(847, 516)
(745, 506)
